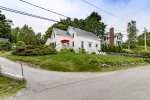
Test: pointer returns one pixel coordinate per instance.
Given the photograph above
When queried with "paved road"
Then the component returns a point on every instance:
(133, 84)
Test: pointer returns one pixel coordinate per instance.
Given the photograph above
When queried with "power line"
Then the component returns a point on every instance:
(31, 15)
(62, 14)
(44, 9)
(103, 10)
(27, 14)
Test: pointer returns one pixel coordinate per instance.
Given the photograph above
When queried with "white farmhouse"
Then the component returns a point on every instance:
(76, 39)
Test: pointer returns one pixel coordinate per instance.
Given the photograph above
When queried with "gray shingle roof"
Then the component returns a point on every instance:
(58, 31)
(84, 33)
(118, 34)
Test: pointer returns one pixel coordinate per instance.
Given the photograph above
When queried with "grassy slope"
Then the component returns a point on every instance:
(9, 86)
(76, 62)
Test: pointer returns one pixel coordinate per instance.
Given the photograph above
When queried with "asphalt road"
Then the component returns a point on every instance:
(132, 84)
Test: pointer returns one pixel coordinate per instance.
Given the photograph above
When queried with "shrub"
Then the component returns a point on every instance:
(82, 50)
(93, 53)
(23, 51)
(20, 44)
(144, 53)
(109, 48)
(127, 51)
(5, 45)
(30, 50)
(46, 50)
(65, 50)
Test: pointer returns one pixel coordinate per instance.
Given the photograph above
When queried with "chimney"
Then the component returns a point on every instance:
(111, 36)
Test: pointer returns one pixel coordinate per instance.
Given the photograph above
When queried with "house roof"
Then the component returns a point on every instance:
(83, 32)
(118, 34)
(59, 31)
(3, 39)
(115, 34)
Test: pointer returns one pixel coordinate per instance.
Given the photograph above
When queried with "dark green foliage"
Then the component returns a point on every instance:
(127, 51)
(82, 50)
(63, 51)
(31, 50)
(5, 45)
(53, 45)
(5, 26)
(23, 51)
(93, 53)
(144, 53)
(14, 33)
(93, 24)
(20, 44)
(27, 35)
(141, 39)
(45, 50)
(109, 48)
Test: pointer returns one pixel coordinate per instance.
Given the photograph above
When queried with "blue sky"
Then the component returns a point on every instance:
(127, 10)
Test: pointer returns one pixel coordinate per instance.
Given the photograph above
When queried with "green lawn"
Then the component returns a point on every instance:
(78, 62)
(9, 86)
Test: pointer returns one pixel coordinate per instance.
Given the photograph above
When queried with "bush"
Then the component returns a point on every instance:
(144, 53)
(23, 51)
(20, 44)
(82, 51)
(30, 50)
(5, 45)
(45, 50)
(109, 48)
(93, 53)
(127, 51)
(65, 50)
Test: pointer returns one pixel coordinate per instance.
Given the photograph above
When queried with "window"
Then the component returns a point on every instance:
(55, 44)
(82, 44)
(73, 44)
(54, 35)
(67, 44)
(104, 39)
(96, 45)
(90, 44)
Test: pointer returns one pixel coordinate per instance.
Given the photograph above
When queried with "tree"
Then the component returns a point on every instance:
(94, 24)
(132, 34)
(140, 39)
(13, 34)
(48, 33)
(28, 36)
(5, 26)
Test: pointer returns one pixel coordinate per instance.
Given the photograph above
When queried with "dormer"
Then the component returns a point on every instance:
(71, 30)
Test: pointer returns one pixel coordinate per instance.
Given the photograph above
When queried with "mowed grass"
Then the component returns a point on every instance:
(71, 62)
(9, 86)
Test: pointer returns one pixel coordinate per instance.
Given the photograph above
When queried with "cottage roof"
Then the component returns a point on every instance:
(118, 34)
(83, 32)
(59, 31)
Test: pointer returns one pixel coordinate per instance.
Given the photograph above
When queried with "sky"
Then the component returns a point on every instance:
(125, 10)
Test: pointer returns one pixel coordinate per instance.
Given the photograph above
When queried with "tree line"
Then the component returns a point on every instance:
(92, 23)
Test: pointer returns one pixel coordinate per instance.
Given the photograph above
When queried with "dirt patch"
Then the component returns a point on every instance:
(2, 52)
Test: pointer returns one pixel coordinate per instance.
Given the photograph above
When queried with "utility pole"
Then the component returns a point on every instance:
(145, 32)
